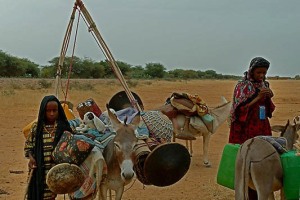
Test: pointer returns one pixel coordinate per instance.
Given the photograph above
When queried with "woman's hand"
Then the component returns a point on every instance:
(265, 92)
(32, 162)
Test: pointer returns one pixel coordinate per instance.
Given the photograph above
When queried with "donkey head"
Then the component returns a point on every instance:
(125, 143)
(289, 131)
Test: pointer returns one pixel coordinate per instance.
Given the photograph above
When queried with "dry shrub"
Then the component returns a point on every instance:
(132, 83)
(44, 84)
(8, 92)
(76, 85)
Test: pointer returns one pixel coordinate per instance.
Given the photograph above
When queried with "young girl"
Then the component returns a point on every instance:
(251, 107)
(41, 141)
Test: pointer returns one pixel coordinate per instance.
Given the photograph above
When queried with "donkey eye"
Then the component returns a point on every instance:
(134, 147)
(117, 145)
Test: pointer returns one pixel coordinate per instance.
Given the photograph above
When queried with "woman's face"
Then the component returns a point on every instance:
(51, 112)
(259, 73)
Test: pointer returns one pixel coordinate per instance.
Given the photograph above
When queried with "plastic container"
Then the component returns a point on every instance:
(291, 175)
(88, 106)
(226, 171)
(262, 112)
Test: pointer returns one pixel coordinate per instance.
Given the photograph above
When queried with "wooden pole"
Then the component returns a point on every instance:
(63, 52)
(108, 54)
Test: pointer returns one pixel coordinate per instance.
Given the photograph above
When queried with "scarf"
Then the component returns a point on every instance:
(36, 186)
(247, 89)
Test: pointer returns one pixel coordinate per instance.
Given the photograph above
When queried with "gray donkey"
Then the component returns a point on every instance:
(259, 167)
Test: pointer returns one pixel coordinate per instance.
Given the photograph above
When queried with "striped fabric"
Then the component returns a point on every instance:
(48, 161)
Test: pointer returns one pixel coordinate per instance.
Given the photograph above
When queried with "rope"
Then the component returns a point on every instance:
(97, 36)
(104, 48)
(92, 33)
(72, 58)
(107, 53)
(64, 50)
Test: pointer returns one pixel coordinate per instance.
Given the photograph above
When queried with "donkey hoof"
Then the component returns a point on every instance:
(207, 164)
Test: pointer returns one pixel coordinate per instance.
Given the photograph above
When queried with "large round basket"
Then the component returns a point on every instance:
(167, 164)
(120, 101)
(65, 178)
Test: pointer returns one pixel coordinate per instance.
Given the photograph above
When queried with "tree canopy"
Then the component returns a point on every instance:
(12, 66)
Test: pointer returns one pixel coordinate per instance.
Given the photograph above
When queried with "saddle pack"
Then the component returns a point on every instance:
(192, 106)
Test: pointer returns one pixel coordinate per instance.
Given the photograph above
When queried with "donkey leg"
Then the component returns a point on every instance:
(239, 180)
(103, 190)
(271, 196)
(282, 196)
(99, 177)
(174, 136)
(119, 193)
(206, 138)
(263, 179)
(187, 144)
(191, 147)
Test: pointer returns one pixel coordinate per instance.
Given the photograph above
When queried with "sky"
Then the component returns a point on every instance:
(219, 35)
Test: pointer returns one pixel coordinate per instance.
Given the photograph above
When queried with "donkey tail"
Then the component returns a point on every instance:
(246, 170)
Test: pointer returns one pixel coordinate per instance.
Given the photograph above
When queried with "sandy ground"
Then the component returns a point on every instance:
(19, 105)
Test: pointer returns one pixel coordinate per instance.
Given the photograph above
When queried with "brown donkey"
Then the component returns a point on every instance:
(119, 155)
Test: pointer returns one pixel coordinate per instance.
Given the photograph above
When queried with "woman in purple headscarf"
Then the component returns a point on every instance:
(251, 106)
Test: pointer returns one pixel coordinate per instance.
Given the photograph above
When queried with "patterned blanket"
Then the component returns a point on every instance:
(95, 169)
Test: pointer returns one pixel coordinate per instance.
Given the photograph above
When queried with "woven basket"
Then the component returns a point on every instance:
(159, 125)
(65, 178)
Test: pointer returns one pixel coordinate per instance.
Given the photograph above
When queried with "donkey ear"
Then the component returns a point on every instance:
(113, 119)
(136, 120)
(277, 128)
(297, 122)
(99, 124)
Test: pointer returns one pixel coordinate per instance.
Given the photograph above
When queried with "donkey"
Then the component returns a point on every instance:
(119, 155)
(182, 124)
(258, 164)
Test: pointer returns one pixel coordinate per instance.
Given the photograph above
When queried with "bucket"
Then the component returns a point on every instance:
(291, 175)
(226, 171)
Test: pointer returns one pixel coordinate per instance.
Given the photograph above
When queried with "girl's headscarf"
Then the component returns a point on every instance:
(36, 188)
(247, 89)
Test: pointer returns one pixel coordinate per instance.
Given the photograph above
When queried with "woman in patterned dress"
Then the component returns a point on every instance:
(41, 141)
(251, 106)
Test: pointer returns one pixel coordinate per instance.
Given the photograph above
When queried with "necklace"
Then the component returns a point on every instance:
(50, 129)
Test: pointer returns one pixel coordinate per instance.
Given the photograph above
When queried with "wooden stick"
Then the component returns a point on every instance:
(28, 182)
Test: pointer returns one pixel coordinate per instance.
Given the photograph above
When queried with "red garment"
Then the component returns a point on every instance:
(248, 125)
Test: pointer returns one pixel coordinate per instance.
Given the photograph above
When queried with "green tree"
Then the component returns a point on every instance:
(124, 67)
(176, 73)
(11, 66)
(137, 72)
(155, 70)
(31, 69)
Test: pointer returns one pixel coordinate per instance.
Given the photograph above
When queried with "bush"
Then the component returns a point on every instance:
(44, 84)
